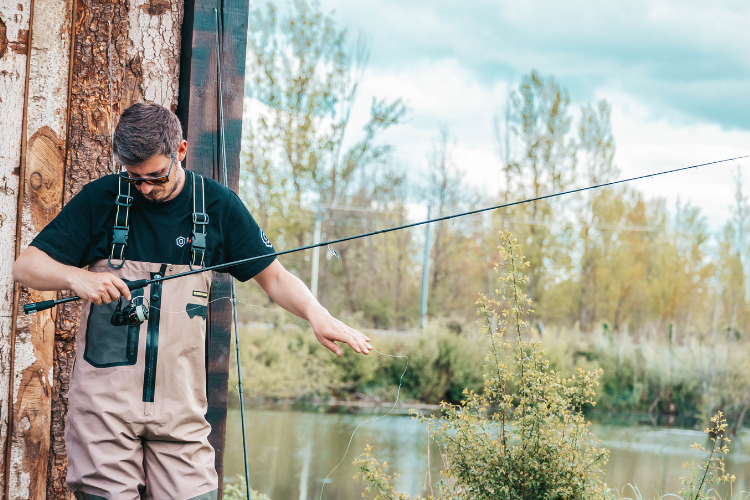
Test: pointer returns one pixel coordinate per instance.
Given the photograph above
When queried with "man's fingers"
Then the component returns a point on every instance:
(357, 343)
(363, 340)
(121, 286)
(113, 292)
(331, 345)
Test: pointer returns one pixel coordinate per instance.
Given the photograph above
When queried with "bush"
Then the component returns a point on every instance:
(525, 435)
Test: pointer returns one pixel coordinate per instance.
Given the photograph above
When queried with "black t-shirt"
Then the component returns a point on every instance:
(159, 232)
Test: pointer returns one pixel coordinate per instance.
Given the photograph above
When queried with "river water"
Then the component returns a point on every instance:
(292, 452)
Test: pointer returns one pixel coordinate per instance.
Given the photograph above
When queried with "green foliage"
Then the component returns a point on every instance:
(710, 472)
(286, 361)
(238, 491)
(525, 435)
(376, 480)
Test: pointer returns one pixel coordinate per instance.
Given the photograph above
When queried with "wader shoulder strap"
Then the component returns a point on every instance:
(200, 221)
(120, 237)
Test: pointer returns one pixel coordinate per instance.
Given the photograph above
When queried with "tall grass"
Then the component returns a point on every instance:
(695, 378)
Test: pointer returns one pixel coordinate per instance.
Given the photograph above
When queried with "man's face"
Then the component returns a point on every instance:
(158, 166)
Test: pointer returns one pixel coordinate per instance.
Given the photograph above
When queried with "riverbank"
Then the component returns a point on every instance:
(644, 373)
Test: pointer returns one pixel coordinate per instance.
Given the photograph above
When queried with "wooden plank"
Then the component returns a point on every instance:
(145, 42)
(43, 169)
(14, 32)
(198, 110)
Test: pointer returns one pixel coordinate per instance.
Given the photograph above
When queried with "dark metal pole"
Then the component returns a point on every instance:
(234, 296)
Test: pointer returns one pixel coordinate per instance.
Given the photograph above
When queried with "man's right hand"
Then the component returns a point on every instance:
(39, 271)
(98, 288)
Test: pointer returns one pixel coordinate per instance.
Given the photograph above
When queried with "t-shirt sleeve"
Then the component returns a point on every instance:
(243, 238)
(67, 238)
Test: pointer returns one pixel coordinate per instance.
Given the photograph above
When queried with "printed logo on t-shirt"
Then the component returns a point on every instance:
(264, 239)
(181, 240)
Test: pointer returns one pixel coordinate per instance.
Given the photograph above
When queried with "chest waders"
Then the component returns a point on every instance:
(136, 426)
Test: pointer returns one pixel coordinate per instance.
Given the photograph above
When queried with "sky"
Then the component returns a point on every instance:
(676, 73)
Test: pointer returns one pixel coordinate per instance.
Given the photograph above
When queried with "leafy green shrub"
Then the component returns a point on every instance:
(283, 362)
(525, 435)
(693, 377)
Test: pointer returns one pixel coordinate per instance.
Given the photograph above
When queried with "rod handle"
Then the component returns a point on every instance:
(135, 285)
(38, 306)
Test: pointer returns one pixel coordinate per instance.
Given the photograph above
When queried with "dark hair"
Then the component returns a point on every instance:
(144, 131)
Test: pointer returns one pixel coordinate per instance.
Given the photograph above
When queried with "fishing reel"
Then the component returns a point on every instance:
(132, 314)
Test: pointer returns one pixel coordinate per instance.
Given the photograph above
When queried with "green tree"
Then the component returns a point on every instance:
(596, 151)
(540, 159)
(299, 163)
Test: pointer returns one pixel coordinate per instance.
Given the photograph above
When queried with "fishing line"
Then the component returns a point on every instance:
(40, 306)
(351, 438)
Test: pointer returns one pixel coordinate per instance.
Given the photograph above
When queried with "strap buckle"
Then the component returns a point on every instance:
(121, 236)
(199, 241)
(128, 200)
(200, 218)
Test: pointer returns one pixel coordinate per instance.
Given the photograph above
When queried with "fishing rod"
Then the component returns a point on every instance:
(134, 285)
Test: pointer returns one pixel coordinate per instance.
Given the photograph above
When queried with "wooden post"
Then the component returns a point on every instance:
(198, 111)
(14, 32)
(40, 199)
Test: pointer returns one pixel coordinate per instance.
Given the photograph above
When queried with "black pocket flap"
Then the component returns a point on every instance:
(194, 310)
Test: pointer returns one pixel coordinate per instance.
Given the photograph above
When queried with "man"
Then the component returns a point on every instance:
(136, 424)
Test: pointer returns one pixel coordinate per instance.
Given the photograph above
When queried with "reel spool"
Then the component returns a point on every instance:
(132, 314)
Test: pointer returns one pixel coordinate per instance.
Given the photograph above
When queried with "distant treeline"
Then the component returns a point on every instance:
(605, 260)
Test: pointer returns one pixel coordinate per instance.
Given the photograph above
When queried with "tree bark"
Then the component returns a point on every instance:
(40, 200)
(145, 41)
(14, 32)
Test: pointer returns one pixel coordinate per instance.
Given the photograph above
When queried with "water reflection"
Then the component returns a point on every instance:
(291, 452)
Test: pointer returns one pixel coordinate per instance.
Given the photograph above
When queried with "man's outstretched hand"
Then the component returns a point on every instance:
(328, 330)
(291, 293)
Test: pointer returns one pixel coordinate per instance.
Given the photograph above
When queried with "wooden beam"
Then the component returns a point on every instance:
(41, 200)
(14, 31)
(145, 50)
(198, 110)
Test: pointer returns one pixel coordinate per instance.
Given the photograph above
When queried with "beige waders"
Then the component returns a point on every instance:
(136, 426)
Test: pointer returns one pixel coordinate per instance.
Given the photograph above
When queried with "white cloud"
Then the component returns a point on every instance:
(675, 71)
(646, 145)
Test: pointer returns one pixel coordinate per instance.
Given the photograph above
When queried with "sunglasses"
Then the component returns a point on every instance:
(149, 180)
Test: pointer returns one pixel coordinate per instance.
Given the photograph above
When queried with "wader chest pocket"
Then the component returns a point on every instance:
(108, 345)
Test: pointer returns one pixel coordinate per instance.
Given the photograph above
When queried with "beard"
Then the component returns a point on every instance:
(162, 196)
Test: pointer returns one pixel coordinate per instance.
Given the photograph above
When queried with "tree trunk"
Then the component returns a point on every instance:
(145, 41)
(40, 199)
(14, 32)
